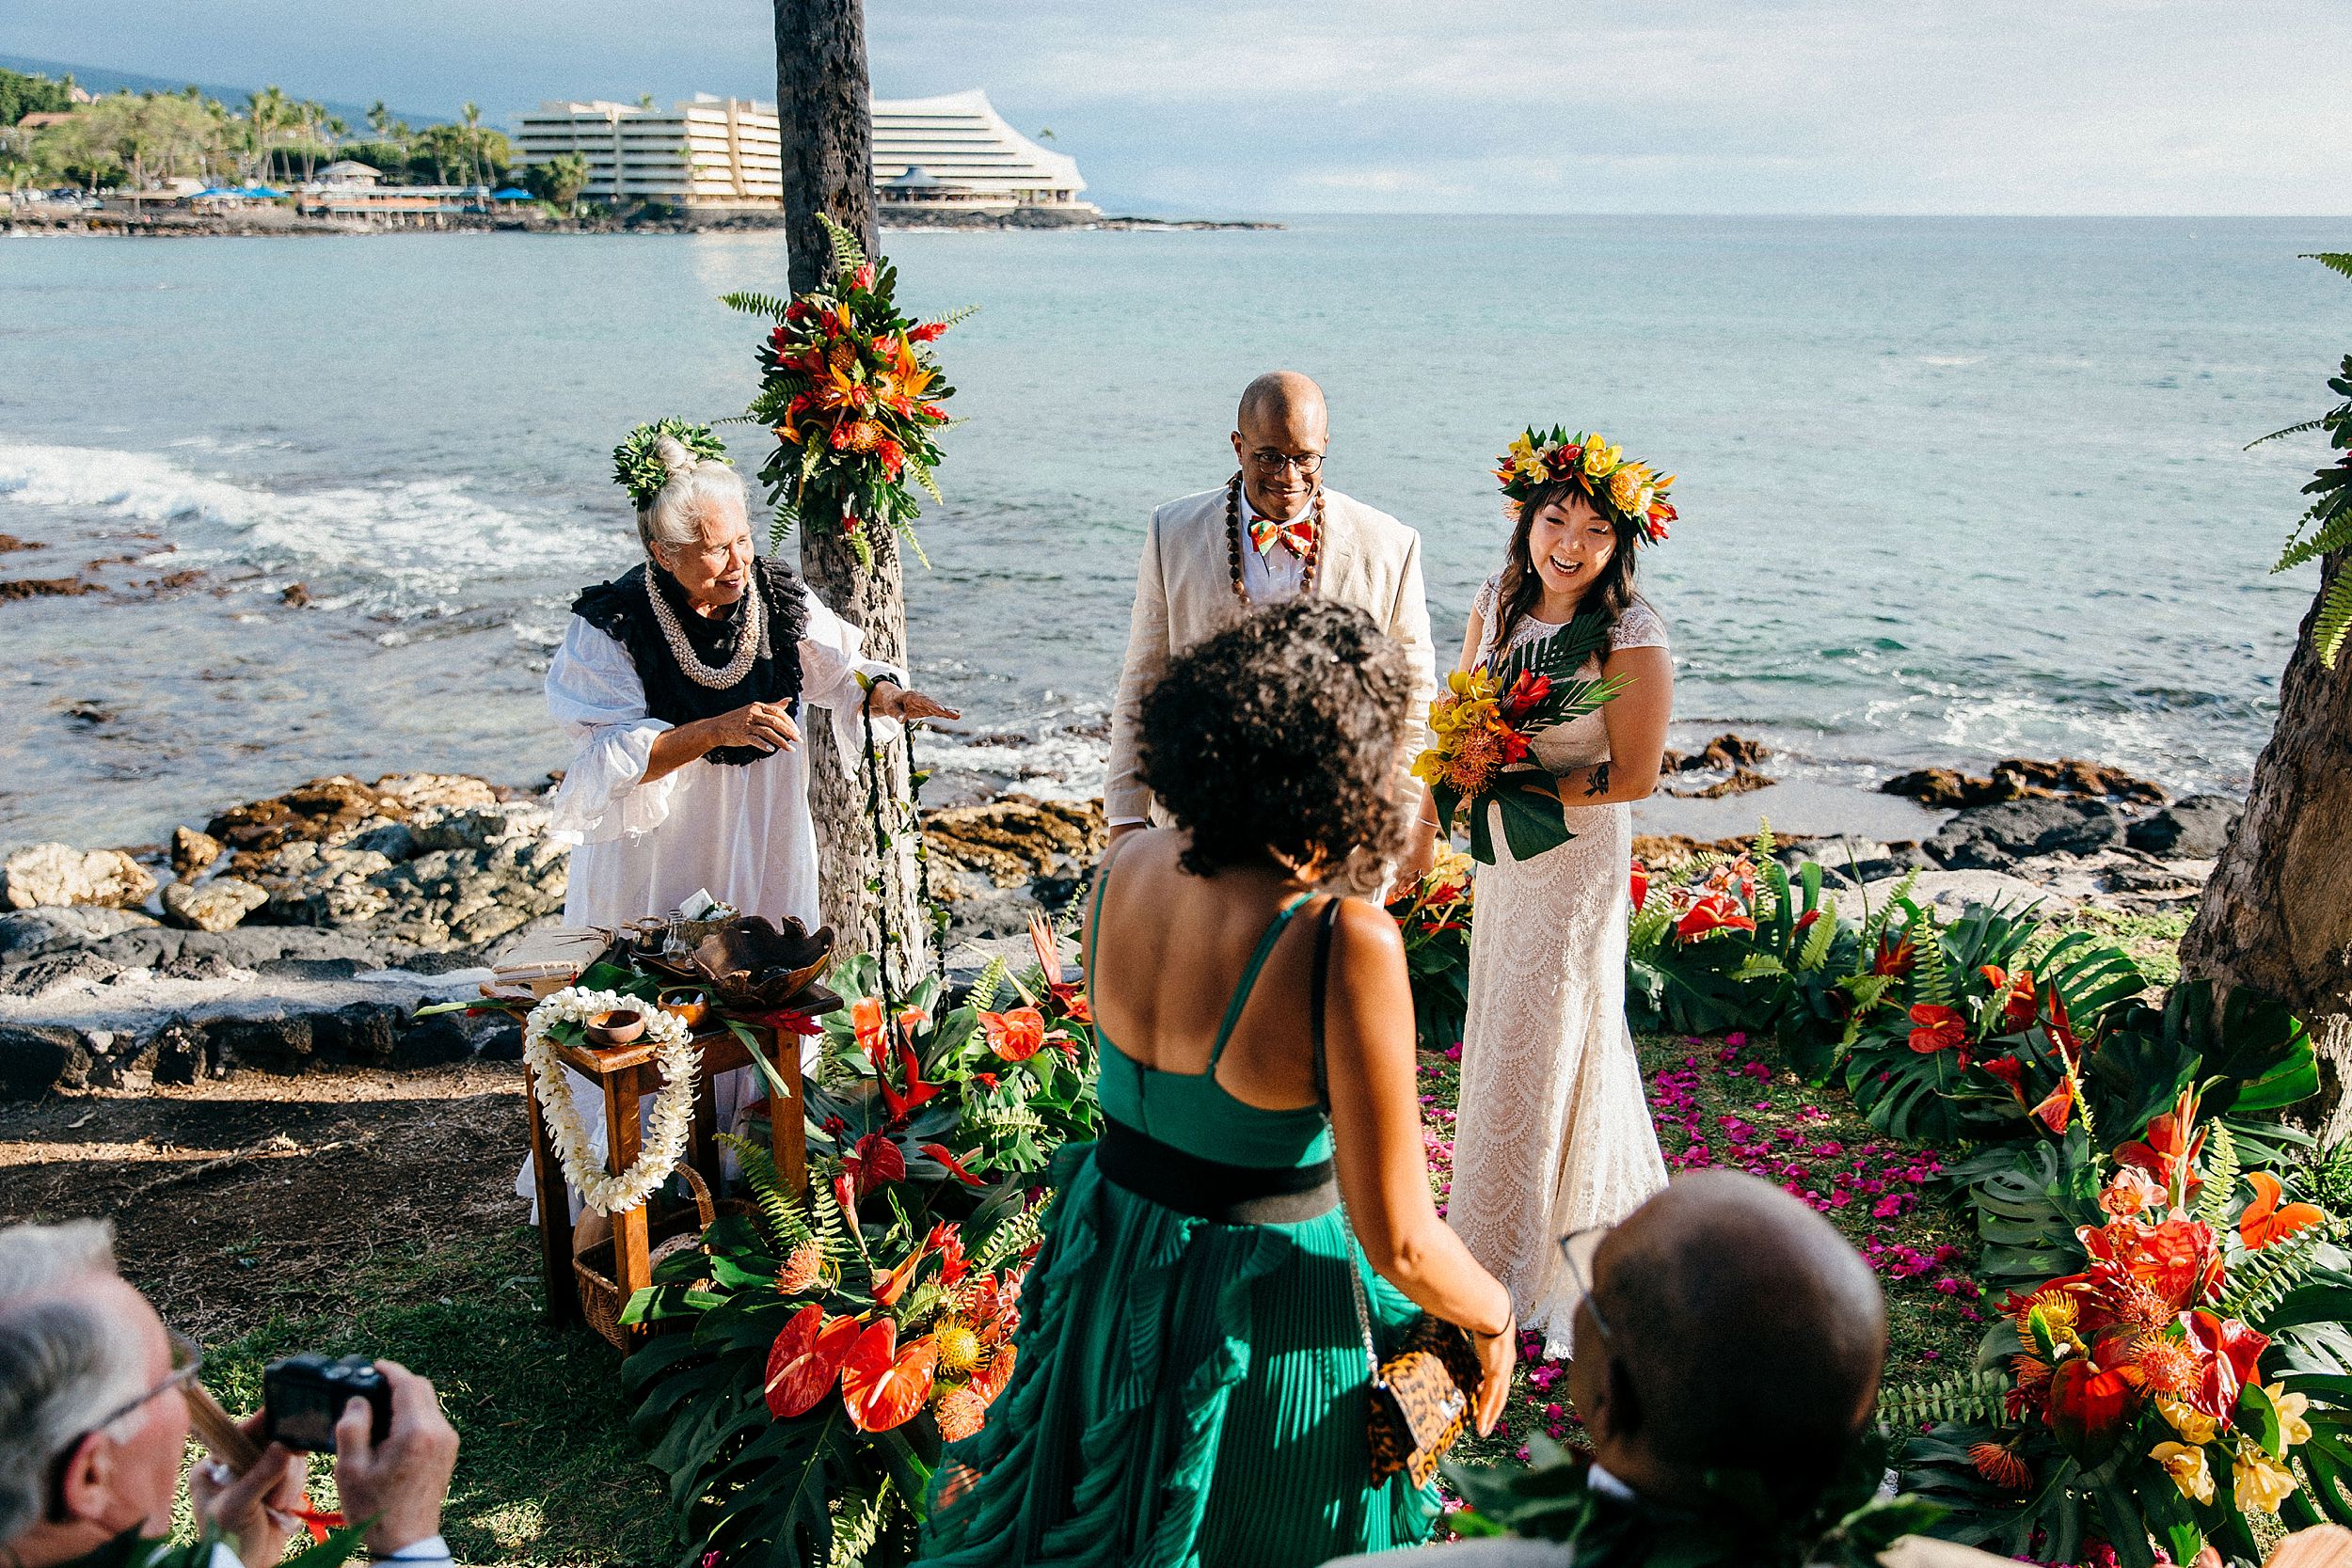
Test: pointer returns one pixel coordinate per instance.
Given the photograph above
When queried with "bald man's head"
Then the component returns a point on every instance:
(1280, 395)
(1280, 436)
(1743, 1332)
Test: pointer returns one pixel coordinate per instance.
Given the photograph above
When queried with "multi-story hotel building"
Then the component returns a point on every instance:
(719, 155)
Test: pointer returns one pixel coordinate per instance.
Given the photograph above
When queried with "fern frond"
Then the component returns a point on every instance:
(847, 254)
(1818, 942)
(1974, 1396)
(1868, 991)
(1014, 1235)
(2260, 1280)
(1759, 966)
(923, 475)
(752, 304)
(831, 1230)
(957, 317)
(2281, 435)
(2334, 620)
(2221, 1174)
(2325, 1178)
(984, 990)
(1765, 844)
(2334, 260)
(859, 1526)
(1931, 972)
(779, 1213)
(2335, 535)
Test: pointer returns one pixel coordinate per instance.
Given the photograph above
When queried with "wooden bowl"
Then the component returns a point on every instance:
(751, 963)
(621, 1026)
(685, 1004)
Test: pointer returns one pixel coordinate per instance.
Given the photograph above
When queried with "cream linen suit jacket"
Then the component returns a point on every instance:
(1184, 591)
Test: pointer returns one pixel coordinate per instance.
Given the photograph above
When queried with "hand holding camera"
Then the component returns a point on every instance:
(398, 1481)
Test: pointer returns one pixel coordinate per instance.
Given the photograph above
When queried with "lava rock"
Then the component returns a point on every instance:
(212, 906)
(35, 1059)
(198, 966)
(1727, 750)
(141, 946)
(367, 1033)
(193, 851)
(2196, 829)
(1009, 841)
(273, 1044)
(38, 977)
(1994, 838)
(432, 1041)
(48, 874)
(29, 933)
(182, 1053)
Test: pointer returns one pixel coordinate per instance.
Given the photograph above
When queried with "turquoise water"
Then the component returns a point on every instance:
(1951, 489)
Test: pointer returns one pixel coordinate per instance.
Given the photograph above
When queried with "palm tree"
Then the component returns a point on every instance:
(267, 112)
(471, 113)
(337, 129)
(380, 120)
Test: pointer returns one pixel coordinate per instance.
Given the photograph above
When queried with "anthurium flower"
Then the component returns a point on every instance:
(2265, 1221)
(805, 1360)
(2009, 1071)
(2058, 1108)
(875, 1162)
(1014, 1035)
(2187, 1467)
(2259, 1482)
(2234, 1350)
(2090, 1406)
(884, 1385)
(1935, 1027)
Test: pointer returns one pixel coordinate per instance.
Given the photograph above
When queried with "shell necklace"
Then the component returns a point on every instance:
(748, 639)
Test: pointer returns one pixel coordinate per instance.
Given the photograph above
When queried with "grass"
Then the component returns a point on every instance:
(548, 1473)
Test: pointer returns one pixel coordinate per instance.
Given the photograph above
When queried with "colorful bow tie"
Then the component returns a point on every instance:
(1298, 533)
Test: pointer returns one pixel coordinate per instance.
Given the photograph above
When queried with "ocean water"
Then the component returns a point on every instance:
(1951, 489)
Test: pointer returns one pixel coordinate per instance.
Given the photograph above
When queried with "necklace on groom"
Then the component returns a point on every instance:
(1308, 560)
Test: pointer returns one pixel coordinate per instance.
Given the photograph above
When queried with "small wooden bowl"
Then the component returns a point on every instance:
(621, 1026)
(685, 1004)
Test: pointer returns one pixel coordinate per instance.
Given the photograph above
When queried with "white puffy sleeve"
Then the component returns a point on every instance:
(595, 694)
(831, 660)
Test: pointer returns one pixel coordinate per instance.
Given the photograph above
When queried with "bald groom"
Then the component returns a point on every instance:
(1273, 530)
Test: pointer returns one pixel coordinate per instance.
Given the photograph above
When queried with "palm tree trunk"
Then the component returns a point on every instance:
(825, 104)
(2277, 914)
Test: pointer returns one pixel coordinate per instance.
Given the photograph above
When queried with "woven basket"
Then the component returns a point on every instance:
(679, 1230)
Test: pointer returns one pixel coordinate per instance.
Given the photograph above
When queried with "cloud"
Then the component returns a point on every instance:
(2091, 106)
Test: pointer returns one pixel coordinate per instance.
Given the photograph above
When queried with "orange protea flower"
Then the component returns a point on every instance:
(2033, 1384)
(989, 1381)
(2170, 1367)
(2001, 1466)
(961, 1412)
(864, 435)
(2140, 1309)
(1478, 755)
(959, 1346)
(802, 1271)
(843, 358)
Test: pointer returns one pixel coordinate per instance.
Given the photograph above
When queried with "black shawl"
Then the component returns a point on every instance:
(619, 609)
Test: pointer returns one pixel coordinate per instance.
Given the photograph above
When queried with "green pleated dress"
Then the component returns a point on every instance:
(1187, 1394)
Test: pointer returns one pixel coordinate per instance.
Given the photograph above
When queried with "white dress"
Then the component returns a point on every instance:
(1553, 1133)
(742, 833)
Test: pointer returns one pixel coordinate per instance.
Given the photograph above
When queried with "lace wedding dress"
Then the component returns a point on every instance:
(1554, 1129)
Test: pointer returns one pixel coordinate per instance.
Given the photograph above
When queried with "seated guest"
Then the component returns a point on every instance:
(94, 1424)
(1191, 1383)
(1723, 1326)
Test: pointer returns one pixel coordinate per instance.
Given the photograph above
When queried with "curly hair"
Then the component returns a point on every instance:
(1278, 734)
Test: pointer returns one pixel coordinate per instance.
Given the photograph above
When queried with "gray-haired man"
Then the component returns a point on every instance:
(94, 1421)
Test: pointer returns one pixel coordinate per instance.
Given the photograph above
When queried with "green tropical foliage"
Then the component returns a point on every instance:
(2326, 526)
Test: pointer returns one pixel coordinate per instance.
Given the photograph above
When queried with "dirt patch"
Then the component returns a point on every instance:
(238, 1201)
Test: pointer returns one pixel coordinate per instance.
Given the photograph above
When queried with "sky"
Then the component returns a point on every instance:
(1228, 107)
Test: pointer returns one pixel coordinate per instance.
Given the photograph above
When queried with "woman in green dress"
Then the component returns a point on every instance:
(1191, 1383)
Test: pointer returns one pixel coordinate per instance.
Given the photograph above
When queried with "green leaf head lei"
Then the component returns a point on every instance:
(637, 468)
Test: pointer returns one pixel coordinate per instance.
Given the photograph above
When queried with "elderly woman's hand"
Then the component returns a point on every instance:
(765, 726)
(893, 701)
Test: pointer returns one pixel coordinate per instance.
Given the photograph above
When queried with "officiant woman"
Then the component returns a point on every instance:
(683, 685)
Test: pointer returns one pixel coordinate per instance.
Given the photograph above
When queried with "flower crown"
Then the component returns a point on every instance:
(1618, 489)
(638, 470)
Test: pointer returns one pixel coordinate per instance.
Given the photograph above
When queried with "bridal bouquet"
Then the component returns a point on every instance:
(850, 388)
(1485, 724)
(1434, 915)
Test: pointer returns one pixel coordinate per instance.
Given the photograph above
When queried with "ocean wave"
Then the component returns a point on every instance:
(403, 544)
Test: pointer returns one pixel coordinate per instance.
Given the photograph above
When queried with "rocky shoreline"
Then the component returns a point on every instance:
(278, 221)
(306, 927)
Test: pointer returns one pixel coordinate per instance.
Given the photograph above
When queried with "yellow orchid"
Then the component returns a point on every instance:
(2293, 1428)
(1600, 457)
(2259, 1482)
(2189, 1421)
(2187, 1467)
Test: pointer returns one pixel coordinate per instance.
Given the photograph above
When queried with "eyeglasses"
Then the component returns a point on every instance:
(1268, 461)
(188, 1359)
(1577, 1249)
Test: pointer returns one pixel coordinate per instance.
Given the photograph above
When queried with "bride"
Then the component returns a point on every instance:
(1554, 1134)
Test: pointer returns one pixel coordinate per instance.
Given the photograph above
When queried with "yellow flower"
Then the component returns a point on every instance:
(2260, 1482)
(1625, 485)
(1429, 768)
(959, 1346)
(2293, 1428)
(1599, 456)
(2188, 1470)
(1524, 459)
(2190, 1422)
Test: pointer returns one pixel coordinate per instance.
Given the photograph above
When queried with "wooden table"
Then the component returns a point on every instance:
(624, 1074)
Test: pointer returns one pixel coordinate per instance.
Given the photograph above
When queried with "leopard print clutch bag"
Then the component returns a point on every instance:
(1421, 1399)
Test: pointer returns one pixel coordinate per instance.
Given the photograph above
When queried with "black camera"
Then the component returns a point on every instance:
(304, 1396)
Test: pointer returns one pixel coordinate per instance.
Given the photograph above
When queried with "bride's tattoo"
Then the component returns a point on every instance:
(1600, 780)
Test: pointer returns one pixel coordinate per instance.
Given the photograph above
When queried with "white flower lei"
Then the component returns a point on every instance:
(672, 1118)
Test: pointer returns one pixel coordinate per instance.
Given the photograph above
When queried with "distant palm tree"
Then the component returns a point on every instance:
(267, 112)
(477, 166)
(644, 100)
(380, 120)
(337, 129)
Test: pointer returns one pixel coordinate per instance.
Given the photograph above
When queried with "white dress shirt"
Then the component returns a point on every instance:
(1267, 579)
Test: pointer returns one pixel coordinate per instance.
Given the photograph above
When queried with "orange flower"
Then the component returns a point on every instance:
(961, 1412)
(989, 1381)
(1893, 958)
(1641, 885)
(884, 1385)
(2001, 1466)
(1014, 1035)
(2016, 994)
(1934, 1029)
(2058, 1108)
(805, 1358)
(1716, 912)
(865, 1024)
(2265, 1221)
(802, 1270)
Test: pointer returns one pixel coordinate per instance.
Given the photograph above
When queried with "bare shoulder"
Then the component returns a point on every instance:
(1367, 933)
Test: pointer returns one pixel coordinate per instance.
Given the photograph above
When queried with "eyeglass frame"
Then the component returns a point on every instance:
(1266, 460)
(1576, 1272)
(188, 1360)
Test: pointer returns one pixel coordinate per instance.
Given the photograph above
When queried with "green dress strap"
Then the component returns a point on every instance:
(1249, 980)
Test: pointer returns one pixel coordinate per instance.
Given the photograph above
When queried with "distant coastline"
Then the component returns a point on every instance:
(275, 221)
